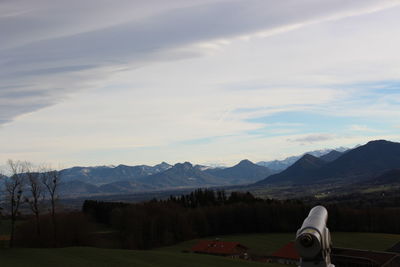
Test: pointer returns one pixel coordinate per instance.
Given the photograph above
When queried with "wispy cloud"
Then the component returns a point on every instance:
(362, 128)
(313, 138)
(51, 44)
(139, 75)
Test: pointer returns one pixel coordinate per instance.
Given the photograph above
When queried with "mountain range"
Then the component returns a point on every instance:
(375, 163)
(125, 179)
(280, 165)
(242, 173)
(104, 174)
(359, 164)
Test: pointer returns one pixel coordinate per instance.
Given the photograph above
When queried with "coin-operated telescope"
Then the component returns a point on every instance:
(313, 240)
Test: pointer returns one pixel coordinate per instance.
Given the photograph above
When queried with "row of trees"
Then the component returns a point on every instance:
(33, 186)
(207, 213)
(199, 214)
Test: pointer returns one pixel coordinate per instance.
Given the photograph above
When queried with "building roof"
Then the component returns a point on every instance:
(376, 257)
(395, 248)
(4, 237)
(218, 247)
(288, 251)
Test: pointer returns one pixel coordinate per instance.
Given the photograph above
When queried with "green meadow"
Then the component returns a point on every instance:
(174, 256)
(85, 256)
(265, 244)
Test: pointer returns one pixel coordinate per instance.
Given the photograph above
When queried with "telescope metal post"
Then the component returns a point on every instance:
(313, 240)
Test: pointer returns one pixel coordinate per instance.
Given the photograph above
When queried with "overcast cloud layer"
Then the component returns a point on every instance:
(152, 80)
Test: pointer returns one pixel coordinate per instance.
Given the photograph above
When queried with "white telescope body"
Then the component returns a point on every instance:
(313, 240)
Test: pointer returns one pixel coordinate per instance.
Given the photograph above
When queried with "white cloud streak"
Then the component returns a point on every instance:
(51, 44)
(134, 74)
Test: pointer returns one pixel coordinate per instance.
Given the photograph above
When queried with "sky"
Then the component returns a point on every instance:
(207, 81)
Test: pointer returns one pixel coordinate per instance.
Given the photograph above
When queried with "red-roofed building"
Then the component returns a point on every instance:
(395, 248)
(221, 248)
(363, 258)
(4, 240)
(286, 254)
(345, 257)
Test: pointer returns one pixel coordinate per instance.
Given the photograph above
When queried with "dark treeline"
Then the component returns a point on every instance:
(199, 214)
(204, 213)
(73, 229)
(344, 218)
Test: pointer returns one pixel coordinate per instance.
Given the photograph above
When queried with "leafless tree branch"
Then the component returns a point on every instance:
(14, 186)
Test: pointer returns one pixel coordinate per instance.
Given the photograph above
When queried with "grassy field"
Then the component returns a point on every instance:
(79, 256)
(267, 243)
(366, 241)
(173, 256)
(5, 226)
(262, 244)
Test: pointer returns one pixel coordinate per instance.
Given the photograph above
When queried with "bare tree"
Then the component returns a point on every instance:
(2, 176)
(14, 189)
(35, 188)
(51, 180)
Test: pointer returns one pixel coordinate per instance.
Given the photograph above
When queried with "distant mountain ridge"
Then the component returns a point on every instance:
(243, 172)
(331, 156)
(183, 175)
(359, 164)
(370, 159)
(104, 174)
(377, 162)
(301, 169)
(280, 165)
(92, 180)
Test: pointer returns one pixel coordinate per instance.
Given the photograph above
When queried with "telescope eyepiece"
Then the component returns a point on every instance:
(306, 240)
